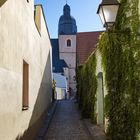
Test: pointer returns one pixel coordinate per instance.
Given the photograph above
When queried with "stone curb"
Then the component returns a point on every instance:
(94, 130)
(45, 126)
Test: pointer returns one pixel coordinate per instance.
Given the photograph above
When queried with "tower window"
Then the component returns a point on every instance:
(25, 94)
(68, 43)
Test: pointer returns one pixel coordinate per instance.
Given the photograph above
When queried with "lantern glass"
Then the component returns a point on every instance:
(108, 11)
(110, 14)
(101, 14)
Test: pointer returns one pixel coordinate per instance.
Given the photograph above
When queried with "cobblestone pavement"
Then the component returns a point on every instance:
(66, 123)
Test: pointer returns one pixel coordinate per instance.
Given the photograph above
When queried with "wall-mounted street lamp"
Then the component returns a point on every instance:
(108, 11)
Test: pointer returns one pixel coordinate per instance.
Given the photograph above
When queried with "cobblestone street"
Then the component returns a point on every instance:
(66, 123)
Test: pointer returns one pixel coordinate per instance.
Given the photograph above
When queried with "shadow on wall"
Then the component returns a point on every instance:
(2, 2)
(39, 112)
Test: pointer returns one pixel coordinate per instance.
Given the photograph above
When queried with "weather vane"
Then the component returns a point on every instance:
(66, 1)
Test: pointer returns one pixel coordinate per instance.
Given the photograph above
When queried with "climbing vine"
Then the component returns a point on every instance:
(120, 50)
(87, 85)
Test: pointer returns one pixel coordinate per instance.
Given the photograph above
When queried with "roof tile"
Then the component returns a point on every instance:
(86, 44)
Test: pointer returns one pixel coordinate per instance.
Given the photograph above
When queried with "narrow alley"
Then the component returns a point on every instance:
(66, 123)
(69, 70)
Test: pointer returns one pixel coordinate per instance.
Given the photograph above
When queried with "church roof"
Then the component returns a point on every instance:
(86, 44)
(58, 64)
(67, 24)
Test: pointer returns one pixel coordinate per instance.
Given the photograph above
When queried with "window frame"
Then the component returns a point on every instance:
(25, 88)
(69, 42)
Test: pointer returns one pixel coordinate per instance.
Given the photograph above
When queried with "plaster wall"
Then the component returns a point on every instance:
(100, 101)
(70, 59)
(20, 40)
(74, 89)
(99, 68)
(72, 75)
(60, 93)
(63, 43)
(69, 55)
(66, 74)
(72, 78)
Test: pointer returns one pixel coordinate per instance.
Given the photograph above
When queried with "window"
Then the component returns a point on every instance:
(68, 43)
(25, 96)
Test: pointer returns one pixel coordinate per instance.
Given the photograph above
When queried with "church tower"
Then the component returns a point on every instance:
(67, 30)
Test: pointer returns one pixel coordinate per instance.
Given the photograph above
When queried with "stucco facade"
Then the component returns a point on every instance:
(60, 93)
(23, 39)
(66, 73)
(68, 53)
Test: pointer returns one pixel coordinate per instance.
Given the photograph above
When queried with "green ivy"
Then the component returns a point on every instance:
(120, 50)
(87, 86)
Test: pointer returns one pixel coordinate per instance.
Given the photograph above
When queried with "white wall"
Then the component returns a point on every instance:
(60, 93)
(66, 74)
(20, 40)
(69, 59)
(69, 55)
(63, 43)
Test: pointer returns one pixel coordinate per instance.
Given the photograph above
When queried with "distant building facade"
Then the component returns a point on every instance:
(25, 69)
(71, 48)
(65, 47)
(60, 86)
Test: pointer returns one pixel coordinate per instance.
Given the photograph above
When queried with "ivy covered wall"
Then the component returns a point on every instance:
(86, 88)
(120, 49)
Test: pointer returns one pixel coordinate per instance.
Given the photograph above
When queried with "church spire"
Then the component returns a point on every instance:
(66, 10)
(67, 24)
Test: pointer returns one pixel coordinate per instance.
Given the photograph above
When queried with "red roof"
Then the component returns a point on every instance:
(86, 44)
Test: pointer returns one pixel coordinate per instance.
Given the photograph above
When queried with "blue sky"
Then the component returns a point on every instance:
(84, 11)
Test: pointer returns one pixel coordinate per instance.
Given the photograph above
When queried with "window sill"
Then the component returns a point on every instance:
(25, 108)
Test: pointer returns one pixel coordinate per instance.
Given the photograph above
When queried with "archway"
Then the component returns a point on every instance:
(100, 99)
